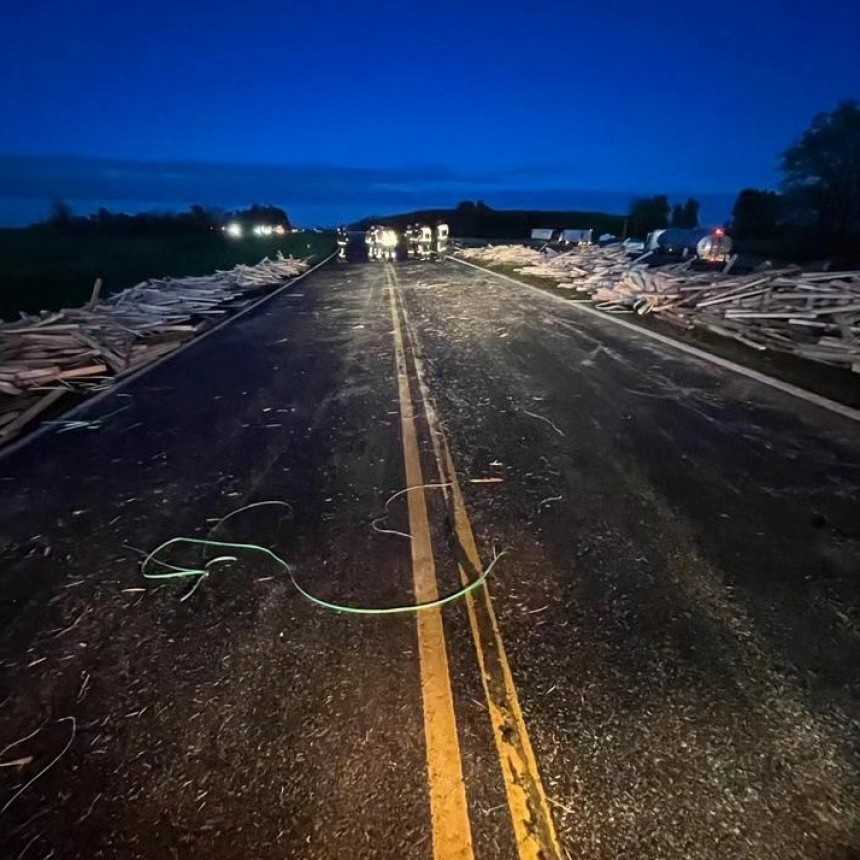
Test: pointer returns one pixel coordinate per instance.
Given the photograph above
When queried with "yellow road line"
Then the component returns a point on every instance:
(530, 813)
(452, 835)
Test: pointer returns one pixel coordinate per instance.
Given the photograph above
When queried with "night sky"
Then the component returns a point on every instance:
(336, 111)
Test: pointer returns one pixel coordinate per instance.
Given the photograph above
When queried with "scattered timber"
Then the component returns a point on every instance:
(85, 349)
(815, 315)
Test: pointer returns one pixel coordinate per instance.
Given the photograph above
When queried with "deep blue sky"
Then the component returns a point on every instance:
(336, 110)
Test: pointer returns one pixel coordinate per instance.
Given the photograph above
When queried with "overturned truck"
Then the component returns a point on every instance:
(705, 243)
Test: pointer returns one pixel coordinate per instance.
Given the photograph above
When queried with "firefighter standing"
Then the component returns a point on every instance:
(441, 239)
(425, 242)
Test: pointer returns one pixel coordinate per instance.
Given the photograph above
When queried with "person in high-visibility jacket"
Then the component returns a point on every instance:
(441, 239)
(342, 241)
(425, 242)
(370, 241)
(388, 241)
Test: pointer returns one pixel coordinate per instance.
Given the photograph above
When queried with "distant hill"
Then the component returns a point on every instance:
(477, 220)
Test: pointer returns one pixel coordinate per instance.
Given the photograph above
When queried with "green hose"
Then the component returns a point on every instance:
(200, 573)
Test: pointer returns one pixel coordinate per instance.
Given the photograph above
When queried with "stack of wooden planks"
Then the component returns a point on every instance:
(584, 266)
(503, 255)
(815, 315)
(42, 357)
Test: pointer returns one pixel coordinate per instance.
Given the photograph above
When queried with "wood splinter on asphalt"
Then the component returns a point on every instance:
(20, 740)
(71, 626)
(18, 762)
(47, 767)
(549, 499)
(541, 418)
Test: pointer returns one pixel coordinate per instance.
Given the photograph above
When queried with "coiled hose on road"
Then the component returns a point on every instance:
(173, 571)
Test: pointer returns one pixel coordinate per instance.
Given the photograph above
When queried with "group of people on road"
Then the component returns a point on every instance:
(421, 242)
(381, 243)
(428, 242)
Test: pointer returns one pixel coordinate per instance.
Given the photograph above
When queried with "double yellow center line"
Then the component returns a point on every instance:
(533, 827)
(452, 835)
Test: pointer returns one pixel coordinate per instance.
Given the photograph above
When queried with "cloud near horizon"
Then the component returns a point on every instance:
(310, 193)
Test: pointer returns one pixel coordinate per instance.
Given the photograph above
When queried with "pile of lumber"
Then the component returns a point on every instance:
(44, 356)
(586, 266)
(585, 269)
(812, 314)
(502, 255)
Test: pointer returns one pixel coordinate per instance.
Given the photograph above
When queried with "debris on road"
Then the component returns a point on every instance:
(504, 255)
(815, 315)
(48, 766)
(546, 420)
(171, 570)
(86, 348)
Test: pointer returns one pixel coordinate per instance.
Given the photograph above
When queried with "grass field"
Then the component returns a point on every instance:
(43, 269)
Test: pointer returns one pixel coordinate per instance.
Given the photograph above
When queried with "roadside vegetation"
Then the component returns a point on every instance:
(813, 215)
(54, 264)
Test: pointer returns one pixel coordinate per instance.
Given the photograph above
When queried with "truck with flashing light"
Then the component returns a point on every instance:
(705, 243)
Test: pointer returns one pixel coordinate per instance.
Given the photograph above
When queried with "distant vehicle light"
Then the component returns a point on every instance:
(234, 230)
(719, 232)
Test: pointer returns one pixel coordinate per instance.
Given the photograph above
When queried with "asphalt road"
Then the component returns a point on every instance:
(665, 663)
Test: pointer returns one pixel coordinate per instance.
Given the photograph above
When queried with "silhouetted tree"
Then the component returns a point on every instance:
(61, 214)
(822, 171)
(649, 213)
(756, 214)
(677, 216)
(258, 214)
(465, 218)
(200, 216)
(690, 214)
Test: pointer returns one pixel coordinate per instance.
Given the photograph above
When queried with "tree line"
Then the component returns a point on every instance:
(475, 219)
(820, 189)
(656, 213)
(814, 212)
(196, 219)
